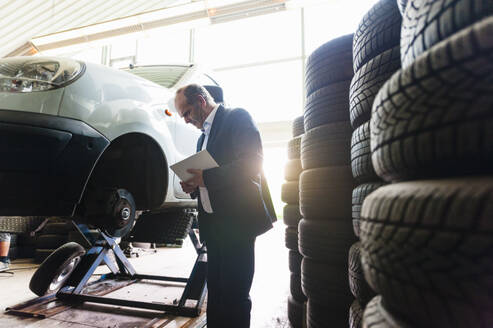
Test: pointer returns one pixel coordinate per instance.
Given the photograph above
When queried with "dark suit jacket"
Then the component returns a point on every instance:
(240, 199)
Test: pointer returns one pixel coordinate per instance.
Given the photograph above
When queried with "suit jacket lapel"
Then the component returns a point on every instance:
(216, 125)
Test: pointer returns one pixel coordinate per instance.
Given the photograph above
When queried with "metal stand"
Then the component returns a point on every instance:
(189, 304)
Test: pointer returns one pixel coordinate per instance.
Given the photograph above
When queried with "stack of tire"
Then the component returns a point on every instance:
(292, 216)
(427, 237)
(53, 235)
(13, 249)
(326, 183)
(376, 56)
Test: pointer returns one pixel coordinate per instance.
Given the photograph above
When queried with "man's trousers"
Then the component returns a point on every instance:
(231, 264)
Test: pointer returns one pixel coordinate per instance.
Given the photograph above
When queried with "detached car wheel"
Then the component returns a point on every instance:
(56, 269)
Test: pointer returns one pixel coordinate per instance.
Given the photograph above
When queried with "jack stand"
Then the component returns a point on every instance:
(194, 292)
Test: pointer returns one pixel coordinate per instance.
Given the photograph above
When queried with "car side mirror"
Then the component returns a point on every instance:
(216, 93)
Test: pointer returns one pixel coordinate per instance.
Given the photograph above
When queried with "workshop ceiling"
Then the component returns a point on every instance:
(24, 21)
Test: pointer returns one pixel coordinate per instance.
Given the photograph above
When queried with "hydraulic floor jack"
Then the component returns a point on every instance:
(189, 304)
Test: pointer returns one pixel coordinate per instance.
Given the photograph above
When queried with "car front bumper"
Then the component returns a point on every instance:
(45, 163)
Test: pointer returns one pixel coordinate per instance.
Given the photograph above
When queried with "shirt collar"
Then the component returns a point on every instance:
(208, 121)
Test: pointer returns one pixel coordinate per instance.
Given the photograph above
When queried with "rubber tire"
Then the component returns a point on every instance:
(429, 243)
(294, 148)
(290, 192)
(325, 193)
(295, 288)
(361, 164)
(376, 316)
(367, 81)
(13, 239)
(292, 170)
(25, 252)
(76, 237)
(50, 241)
(355, 315)
(323, 316)
(434, 118)
(298, 126)
(401, 4)
(379, 30)
(428, 22)
(292, 215)
(291, 238)
(326, 241)
(331, 62)
(359, 195)
(326, 284)
(13, 253)
(52, 266)
(57, 228)
(327, 105)
(295, 313)
(326, 145)
(294, 260)
(41, 254)
(357, 283)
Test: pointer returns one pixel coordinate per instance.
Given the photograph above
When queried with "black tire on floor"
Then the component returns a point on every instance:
(57, 228)
(327, 241)
(291, 238)
(367, 81)
(429, 242)
(56, 269)
(294, 148)
(434, 118)
(41, 254)
(295, 287)
(376, 316)
(326, 145)
(331, 62)
(294, 261)
(326, 284)
(13, 253)
(295, 312)
(290, 193)
(50, 241)
(428, 22)
(325, 193)
(357, 283)
(298, 126)
(361, 164)
(291, 215)
(355, 315)
(324, 316)
(379, 30)
(77, 237)
(359, 195)
(25, 252)
(292, 170)
(13, 239)
(327, 105)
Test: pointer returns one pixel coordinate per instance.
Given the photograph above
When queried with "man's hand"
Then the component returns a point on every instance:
(187, 187)
(197, 180)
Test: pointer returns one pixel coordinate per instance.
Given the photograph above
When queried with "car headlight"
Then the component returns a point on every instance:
(30, 74)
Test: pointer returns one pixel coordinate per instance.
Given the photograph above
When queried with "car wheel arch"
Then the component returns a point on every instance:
(134, 161)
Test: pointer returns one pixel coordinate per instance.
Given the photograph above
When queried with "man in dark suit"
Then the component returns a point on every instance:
(233, 201)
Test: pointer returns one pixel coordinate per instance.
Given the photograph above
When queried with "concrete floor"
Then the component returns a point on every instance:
(269, 293)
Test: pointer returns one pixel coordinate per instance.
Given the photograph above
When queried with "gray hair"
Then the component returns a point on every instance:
(193, 90)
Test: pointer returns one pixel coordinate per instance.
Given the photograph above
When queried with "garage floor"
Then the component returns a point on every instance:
(269, 293)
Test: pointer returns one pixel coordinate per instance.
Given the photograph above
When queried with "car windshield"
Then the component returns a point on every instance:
(164, 75)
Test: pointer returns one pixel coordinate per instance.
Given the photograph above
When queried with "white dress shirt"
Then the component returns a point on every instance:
(206, 129)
